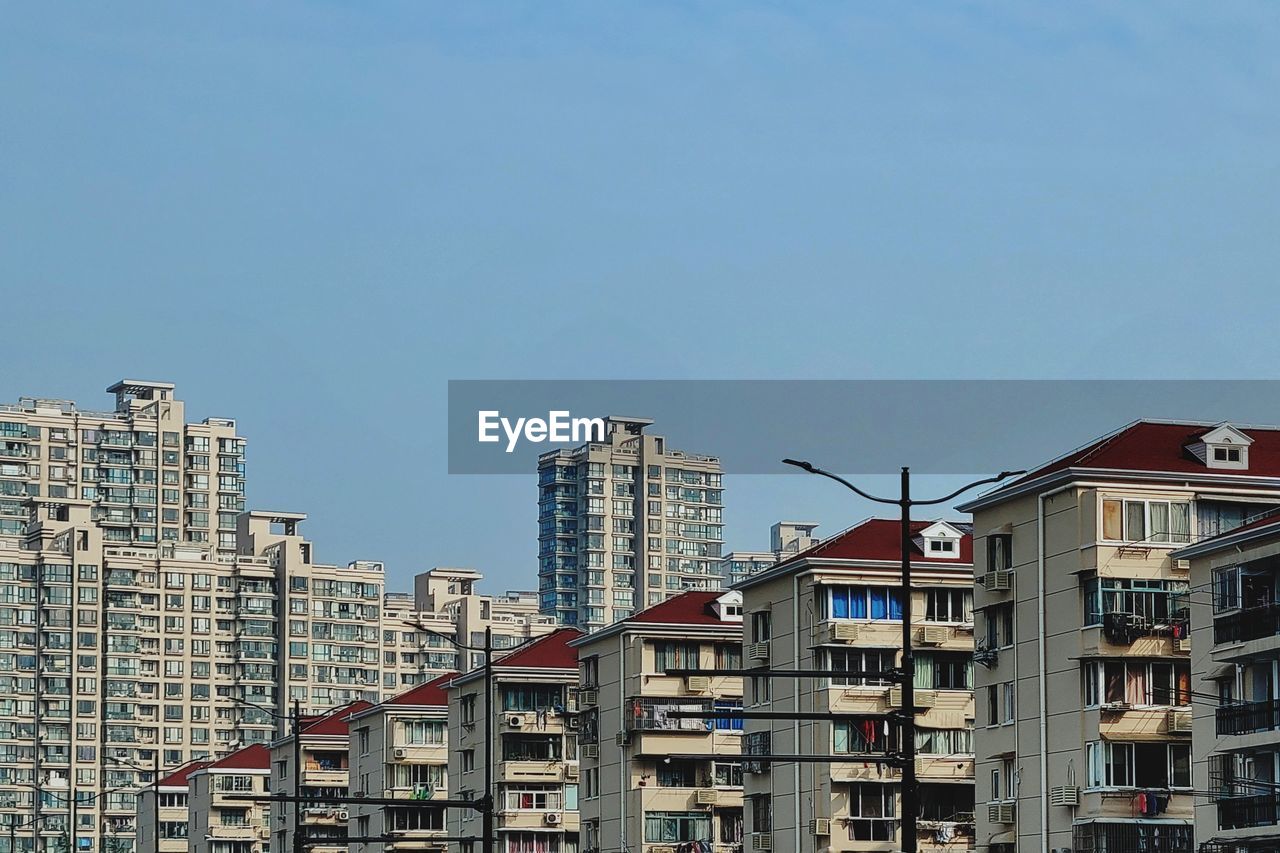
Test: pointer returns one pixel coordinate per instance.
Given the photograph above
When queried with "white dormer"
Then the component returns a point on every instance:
(940, 541)
(728, 607)
(1224, 446)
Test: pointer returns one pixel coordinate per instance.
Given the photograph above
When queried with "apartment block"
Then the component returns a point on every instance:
(652, 782)
(220, 821)
(838, 607)
(448, 601)
(1235, 657)
(400, 750)
(1084, 679)
(149, 476)
(787, 538)
(170, 825)
(624, 524)
(323, 762)
(535, 769)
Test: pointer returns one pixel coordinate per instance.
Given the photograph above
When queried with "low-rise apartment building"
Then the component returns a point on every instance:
(400, 750)
(1235, 656)
(171, 825)
(220, 821)
(535, 771)
(324, 780)
(1084, 680)
(838, 606)
(640, 789)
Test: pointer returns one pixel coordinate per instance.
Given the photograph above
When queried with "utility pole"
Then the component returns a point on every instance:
(297, 777)
(486, 816)
(910, 794)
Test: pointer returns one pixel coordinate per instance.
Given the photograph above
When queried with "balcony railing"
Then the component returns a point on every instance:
(1248, 717)
(1241, 812)
(1253, 623)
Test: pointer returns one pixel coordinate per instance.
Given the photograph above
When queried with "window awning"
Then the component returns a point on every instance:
(1006, 837)
(1005, 528)
(1218, 673)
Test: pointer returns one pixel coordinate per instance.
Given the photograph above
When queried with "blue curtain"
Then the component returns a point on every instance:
(895, 604)
(839, 602)
(857, 602)
(879, 602)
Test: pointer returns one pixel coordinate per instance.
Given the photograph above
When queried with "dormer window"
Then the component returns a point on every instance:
(940, 541)
(728, 607)
(1223, 447)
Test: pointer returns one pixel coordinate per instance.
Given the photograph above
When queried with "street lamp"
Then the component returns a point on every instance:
(296, 728)
(910, 796)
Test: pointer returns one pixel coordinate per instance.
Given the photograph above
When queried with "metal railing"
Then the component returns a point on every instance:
(1251, 624)
(1247, 717)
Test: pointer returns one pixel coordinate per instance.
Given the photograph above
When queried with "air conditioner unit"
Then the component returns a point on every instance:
(552, 818)
(571, 771)
(895, 697)
(761, 841)
(1182, 565)
(706, 796)
(926, 698)
(515, 721)
(400, 752)
(1179, 722)
(1183, 644)
(934, 635)
(587, 698)
(758, 651)
(573, 722)
(590, 750)
(698, 683)
(1000, 813)
(998, 581)
(842, 632)
(622, 738)
(340, 814)
(820, 826)
(1064, 795)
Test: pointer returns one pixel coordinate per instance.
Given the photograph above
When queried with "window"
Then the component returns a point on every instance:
(948, 605)
(667, 827)
(1158, 602)
(675, 655)
(532, 697)
(728, 656)
(1142, 765)
(761, 626)
(1132, 682)
(761, 813)
(423, 732)
(1148, 522)
(859, 660)
(999, 625)
(862, 602)
(864, 735)
(944, 671)
(872, 812)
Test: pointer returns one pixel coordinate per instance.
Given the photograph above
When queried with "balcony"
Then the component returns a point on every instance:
(1248, 717)
(1253, 623)
(1244, 812)
(531, 771)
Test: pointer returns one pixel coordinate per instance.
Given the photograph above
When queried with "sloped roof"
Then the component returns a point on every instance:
(254, 757)
(430, 693)
(880, 539)
(335, 721)
(551, 651)
(178, 778)
(689, 608)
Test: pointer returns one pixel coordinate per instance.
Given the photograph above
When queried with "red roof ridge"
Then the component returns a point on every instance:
(550, 651)
(253, 757)
(178, 778)
(334, 721)
(430, 693)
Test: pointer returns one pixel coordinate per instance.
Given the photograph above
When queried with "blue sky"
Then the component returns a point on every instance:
(322, 212)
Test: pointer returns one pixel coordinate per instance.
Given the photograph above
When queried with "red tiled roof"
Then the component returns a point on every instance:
(549, 652)
(255, 757)
(334, 722)
(431, 693)
(881, 539)
(690, 608)
(178, 778)
(1152, 446)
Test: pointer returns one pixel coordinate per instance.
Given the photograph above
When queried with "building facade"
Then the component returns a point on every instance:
(838, 607)
(650, 782)
(625, 523)
(323, 762)
(1235, 657)
(535, 769)
(1084, 715)
(219, 820)
(400, 750)
(170, 825)
(149, 476)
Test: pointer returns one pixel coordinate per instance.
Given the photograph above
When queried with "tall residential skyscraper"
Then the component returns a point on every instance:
(149, 475)
(624, 524)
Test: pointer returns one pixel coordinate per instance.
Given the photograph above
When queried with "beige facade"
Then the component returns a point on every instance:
(400, 750)
(1235, 656)
(219, 820)
(837, 607)
(535, 762)
(171, 825)
(322, 776)
(637, 791)
(149, 476)
(1084, 689)
(625, 523)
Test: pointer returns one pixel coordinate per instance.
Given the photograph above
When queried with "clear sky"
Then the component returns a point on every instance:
(311, 216)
